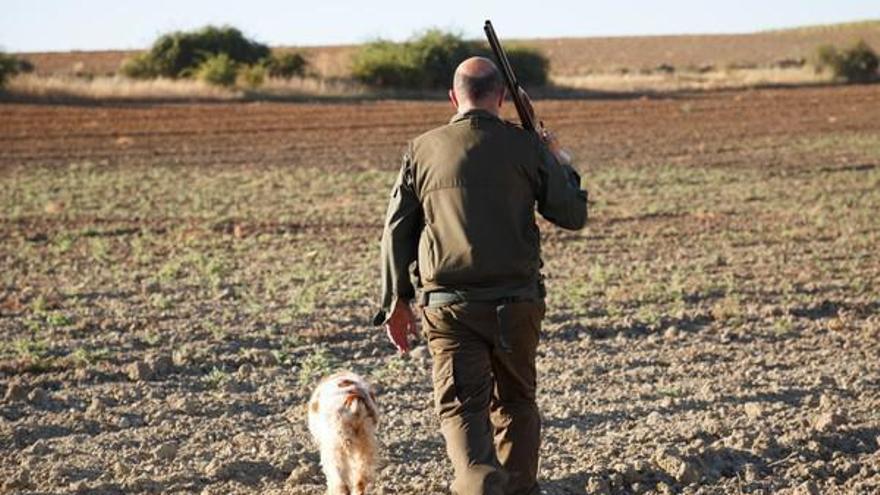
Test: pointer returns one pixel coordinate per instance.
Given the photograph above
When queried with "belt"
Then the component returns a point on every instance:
(502, 310)
(445, 298)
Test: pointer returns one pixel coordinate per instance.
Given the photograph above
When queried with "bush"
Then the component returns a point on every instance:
(219, 70)
(428, 61)
(11, 65)
(8, 67)
(859, 63)
(530, 66)
(24, 66)
(140, 67)
(385, 64)
(179, 54)
(251, 76)
(286, 65)
(436, 55)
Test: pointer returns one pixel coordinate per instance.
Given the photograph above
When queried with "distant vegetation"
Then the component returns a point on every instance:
(223, 56)
(11, 65)
(215, 55)
(219, 69)
(858, 63)
(178, 62)
(286, 65)
(428, 61)
(8, 67)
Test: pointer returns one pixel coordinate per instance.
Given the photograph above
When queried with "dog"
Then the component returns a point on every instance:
(343, 417)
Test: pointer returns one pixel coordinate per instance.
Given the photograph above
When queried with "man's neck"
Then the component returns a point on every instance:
(463, 109)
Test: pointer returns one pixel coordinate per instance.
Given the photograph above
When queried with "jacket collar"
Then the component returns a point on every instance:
(473, 113)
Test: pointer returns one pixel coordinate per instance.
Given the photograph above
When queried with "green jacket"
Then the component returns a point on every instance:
(461, 217)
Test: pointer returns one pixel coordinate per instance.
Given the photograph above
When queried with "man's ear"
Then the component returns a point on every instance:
(501, 98)
(453, 99)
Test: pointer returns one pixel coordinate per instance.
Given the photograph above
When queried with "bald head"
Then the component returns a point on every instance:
(477, 83)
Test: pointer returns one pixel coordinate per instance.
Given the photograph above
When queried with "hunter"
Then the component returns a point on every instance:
(461, 244)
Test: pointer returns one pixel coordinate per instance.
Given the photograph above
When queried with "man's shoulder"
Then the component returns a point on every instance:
(432, 134)
(439, 139)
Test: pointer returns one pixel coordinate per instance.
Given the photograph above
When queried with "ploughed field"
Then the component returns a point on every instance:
(176, 277)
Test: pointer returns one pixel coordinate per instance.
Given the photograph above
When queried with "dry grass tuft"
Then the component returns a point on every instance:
(121, 88)
(307, 86)
(104, 87)
(721, 79)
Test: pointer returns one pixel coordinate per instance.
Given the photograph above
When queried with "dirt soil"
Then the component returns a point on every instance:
(176, 278)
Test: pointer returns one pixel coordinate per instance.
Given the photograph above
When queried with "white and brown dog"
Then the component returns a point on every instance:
(342, 418)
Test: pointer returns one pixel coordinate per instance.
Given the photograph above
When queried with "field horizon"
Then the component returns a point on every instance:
(569, 56)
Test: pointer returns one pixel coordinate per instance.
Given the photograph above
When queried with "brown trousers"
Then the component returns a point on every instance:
(484, 392)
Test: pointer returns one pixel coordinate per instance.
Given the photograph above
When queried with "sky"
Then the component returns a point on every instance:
(61, 25)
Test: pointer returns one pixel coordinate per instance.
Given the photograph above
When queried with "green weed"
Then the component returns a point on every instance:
(315, 365)
(82, 356)
(217, 378)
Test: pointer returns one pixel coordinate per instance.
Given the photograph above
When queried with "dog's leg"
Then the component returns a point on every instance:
(362, 465)
(333, 471)
(335, 485)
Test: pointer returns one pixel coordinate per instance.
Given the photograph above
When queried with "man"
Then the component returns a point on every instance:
(461, 229)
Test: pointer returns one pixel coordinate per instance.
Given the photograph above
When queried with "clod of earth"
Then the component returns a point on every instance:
(245, 370)
(139, 371)
(828, 421)
(682, 470)
(38, 396)
(598, 486)
(15, 391)
(161, 365)
(96, 407)
(303, 473)
(21, 480)
(166, 451)
(754, 410)
(262, 357)
(39, 448)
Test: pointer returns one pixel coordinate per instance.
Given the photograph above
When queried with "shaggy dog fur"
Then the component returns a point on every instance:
(342, 418)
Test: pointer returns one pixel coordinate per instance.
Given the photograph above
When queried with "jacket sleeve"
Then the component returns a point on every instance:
(400, 238)
(560, 197)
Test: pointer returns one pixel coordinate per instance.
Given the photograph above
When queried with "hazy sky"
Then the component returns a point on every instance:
(41, 25)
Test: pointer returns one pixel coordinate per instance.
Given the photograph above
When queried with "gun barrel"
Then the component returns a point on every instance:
(525, 116)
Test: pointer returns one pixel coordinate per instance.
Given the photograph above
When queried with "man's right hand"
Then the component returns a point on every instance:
(401, 325)
(553, 145)
(563, 156)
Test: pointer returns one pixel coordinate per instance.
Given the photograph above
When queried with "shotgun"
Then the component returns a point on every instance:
(523, 108)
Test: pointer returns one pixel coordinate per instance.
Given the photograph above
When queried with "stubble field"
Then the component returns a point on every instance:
(176, 277)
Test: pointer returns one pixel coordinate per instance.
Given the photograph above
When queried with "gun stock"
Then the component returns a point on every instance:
(526, 117)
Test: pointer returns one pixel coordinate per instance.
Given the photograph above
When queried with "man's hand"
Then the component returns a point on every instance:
(553, 145)
(401, 325)
(548, 137)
